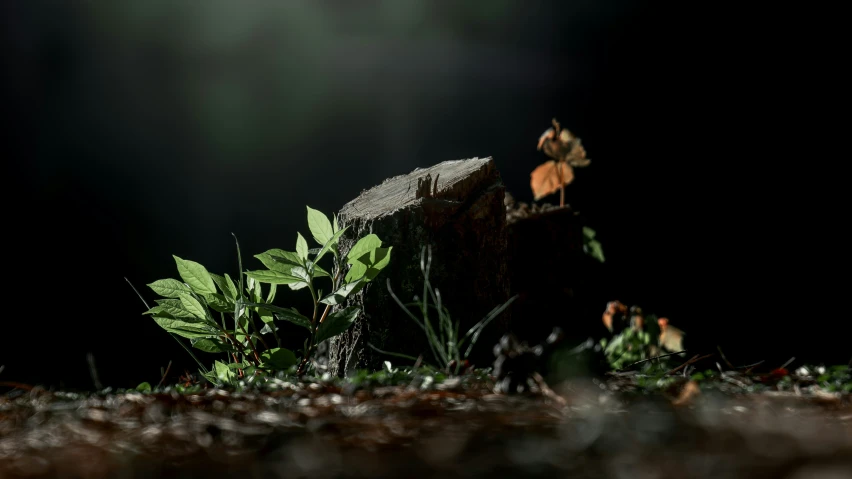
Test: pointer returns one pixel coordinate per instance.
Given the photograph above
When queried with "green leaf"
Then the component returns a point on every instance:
(301, 274)
(278, 358)
(211, 345)
(381, 257)
(594, 249)
(169, 288)
(184, 328)
(336, 323)
(219, 303)
(283, 256)
(363, 246)
(210, 376)
(301, 248)
(174, 308)
(144, 387)
(272, 277)
(266, 317)
(319, 225)
(154, 310)
(330, 245)
(254, 291)
(369, 265)
(223, 373)
(318, 272)
(273, 288)
(280, 261)
(340, 295)
(335, 226)
(290, 315)
(195, 275)
(356, 272)
(232, 287)
(225, 286)
(193, 306)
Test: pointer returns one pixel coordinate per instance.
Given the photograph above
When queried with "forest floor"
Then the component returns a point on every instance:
(401, 424)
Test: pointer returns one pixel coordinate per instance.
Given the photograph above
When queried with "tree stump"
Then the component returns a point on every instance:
(556, 281)
(457, 208)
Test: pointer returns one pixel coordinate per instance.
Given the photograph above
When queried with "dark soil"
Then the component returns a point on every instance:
(456, 429)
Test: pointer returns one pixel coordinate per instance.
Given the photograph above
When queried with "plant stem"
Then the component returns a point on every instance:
(254, 327)
(251, 345)
(234, 342)
(334, 288)
(300, 371)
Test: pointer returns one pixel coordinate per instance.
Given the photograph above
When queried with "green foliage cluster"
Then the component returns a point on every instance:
(833, 379)
(634, 344)
(627, 347)
(220, 315)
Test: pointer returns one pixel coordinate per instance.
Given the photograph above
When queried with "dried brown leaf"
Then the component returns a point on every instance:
(544, 180)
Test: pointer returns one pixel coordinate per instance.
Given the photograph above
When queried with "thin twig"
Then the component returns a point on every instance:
(787, 363)
(694, 359)
(546, 391)
(251, 344)
(749, 367)
(625, 368)
(724, 358)
(163, 379)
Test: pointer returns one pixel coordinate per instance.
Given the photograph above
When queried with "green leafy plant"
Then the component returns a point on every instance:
(627, 347)
(637, 337)
(447, 347)
(189, 307)
(299, 270)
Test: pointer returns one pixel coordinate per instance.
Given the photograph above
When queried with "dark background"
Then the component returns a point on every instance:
(138, 130)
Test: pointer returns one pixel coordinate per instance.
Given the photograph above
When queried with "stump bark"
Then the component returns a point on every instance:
(557, 283)
(457, 208)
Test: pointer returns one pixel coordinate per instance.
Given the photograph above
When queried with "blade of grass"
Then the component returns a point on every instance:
(413, 318)
(399, 355)
(165, 374)
(477, 328)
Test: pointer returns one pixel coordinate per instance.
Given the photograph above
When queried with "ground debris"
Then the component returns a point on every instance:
(392, 431)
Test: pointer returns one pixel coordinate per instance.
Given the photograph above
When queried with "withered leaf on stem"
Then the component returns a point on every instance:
(567, 152)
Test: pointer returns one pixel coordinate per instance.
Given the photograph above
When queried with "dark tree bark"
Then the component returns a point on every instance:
(457, 208)
(558, 284)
